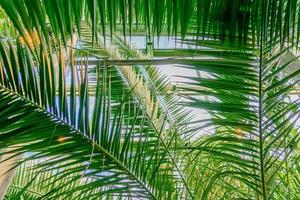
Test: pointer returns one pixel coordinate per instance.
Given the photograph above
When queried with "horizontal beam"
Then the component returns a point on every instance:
(130, 62)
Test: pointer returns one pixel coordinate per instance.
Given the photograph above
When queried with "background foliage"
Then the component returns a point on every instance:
(98, 120)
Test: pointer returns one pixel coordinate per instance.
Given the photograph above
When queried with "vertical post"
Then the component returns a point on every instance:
(6, 174)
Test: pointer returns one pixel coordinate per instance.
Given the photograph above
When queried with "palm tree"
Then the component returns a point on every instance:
(85, 115)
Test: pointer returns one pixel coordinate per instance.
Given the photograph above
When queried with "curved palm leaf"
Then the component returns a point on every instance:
(122, 138)
(253, 120)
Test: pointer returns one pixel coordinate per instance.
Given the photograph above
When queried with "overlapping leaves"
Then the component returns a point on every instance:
(112, 142)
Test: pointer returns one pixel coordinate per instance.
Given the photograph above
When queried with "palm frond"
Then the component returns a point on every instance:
(234, 21)
(252, 116)
(108, 136)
